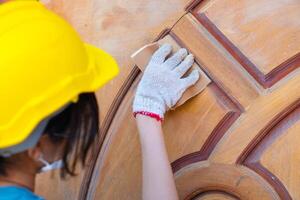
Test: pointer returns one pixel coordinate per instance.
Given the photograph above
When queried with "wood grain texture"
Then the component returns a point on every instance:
(230, 114)
(269, 149)
(182, 135)
(191, 34)
(89, 179)
(241, 30)
(284, 150)
(236, 181)
(257, 117)
(215, 61)
(215, 195)
(228, 142)
(118, 27)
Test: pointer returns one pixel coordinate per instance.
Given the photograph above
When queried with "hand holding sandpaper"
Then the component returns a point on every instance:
(166, 79)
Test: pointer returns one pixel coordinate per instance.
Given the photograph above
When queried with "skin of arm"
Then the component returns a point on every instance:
(158, 179)
(161, 86)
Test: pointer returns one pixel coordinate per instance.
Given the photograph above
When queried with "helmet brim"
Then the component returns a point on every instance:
(104, 65)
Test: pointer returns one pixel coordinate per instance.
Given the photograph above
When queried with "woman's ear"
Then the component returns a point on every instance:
(46, 148)
(35, 152)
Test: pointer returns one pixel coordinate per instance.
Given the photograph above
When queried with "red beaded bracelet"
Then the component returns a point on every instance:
(150, 114)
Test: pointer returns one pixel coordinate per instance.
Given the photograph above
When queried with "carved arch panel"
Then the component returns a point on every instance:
(218, 142)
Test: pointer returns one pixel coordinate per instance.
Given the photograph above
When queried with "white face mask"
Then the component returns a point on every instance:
(50, 166)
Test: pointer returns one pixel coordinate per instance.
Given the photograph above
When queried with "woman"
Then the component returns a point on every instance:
(49, 113)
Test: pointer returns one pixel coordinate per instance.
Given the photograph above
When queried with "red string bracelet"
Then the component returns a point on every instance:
(150, 114)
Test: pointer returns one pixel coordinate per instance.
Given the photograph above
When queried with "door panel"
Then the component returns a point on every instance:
(213, 195)
(229, 141)
(261, 35)
(285, 150)
(216, 61)
(189, 130)
(238, 138)
(275, 155)
(118, 27)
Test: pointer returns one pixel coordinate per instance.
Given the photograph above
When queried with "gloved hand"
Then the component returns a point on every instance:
(161, 85)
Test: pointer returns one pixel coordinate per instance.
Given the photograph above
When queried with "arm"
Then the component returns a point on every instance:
(160, 88)
(158, 182)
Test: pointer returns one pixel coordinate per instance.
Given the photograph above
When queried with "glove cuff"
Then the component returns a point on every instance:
(148, 106)
(153, 115)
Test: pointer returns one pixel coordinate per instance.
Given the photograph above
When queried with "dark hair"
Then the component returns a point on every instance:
(78, 126)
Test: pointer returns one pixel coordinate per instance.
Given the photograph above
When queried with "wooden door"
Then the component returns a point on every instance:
(118, 27)
(239, 138)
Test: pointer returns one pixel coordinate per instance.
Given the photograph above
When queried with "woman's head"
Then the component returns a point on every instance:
(59, 66)
(68, 136)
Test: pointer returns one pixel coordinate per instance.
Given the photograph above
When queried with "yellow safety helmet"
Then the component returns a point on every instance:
(43, 65)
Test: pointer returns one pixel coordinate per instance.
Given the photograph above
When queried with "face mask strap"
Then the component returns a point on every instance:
(50, 166)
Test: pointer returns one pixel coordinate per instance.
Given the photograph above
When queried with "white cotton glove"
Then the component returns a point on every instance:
(162, 84)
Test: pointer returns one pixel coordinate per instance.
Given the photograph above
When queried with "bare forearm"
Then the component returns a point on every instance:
(161, 86)
(158, 180)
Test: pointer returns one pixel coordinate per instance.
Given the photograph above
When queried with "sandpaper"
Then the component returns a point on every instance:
(142, 57)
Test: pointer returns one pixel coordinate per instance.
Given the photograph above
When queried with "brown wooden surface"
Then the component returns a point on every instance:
(207, 105)
(237, 139)
(215, 195)
(120, 28)
(244, 24)
(268, 54)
